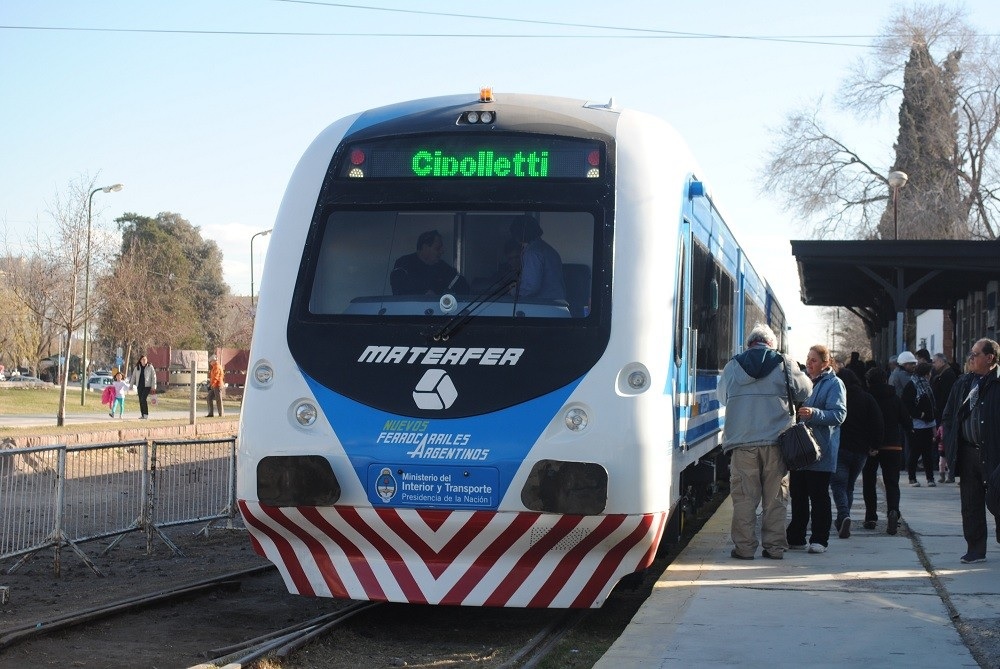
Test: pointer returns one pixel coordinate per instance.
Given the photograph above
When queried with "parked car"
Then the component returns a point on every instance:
(99, 382)
(23, 378)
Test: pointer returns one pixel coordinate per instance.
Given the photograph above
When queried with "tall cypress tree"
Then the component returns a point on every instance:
(930, 205)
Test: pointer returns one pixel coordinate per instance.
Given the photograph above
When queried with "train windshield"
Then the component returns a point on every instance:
(534, 264)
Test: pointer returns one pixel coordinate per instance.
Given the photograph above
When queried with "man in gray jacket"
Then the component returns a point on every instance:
(752, 388)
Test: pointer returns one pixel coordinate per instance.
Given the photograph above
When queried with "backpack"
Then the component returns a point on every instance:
(925, 406)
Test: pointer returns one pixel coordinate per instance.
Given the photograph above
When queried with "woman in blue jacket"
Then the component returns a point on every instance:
(824, 411)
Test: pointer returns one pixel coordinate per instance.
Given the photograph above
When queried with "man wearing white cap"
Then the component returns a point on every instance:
(907, 362)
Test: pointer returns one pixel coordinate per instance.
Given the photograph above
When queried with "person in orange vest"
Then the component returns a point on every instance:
(215, 375)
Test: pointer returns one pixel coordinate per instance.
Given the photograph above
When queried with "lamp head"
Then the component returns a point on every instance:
(113, 189)
(897, 179)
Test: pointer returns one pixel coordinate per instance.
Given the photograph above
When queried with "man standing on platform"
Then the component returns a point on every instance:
(972, 443)
(753, 389)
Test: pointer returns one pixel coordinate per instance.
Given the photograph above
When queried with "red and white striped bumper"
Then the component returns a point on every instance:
(470, 558)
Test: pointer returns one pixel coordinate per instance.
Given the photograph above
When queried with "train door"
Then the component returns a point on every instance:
(685, 339)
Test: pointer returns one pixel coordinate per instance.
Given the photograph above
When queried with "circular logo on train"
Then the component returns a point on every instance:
(435, 390)
(385, 485)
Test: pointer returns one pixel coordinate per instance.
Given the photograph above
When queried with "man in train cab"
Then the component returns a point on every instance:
(424, 272)
(756, 387)
(541, 266)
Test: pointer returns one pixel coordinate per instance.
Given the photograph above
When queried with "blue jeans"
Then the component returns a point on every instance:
(849, 466)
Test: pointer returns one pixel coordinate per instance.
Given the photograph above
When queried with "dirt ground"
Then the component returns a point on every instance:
(36, 594)
(177, 635)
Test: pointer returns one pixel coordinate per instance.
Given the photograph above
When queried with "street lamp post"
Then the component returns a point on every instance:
(262, 233)
(897, 180)
(86, 293)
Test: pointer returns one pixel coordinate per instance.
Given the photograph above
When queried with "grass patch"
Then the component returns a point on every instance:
(45, 402)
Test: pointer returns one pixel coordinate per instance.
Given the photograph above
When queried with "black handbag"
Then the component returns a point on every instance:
(798, 445)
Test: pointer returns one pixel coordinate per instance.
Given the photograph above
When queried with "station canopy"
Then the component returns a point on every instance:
(877, 279)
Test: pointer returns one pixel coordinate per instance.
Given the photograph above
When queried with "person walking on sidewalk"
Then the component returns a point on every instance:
(942, 379)
(888, 456)
(824, 411)
(143, 379)
(215, 376)
(972, 444)
(121, 387)
(860, 433)
(918, 398)
(752, 388)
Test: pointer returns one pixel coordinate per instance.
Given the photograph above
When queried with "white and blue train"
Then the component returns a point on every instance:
(470, 445)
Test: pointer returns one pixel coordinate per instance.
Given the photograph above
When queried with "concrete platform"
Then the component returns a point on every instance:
(871, 600)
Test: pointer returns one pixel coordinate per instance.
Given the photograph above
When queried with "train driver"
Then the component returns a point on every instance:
(541, 266)
(424, 272)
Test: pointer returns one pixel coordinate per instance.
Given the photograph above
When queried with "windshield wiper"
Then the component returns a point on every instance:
(491, 294)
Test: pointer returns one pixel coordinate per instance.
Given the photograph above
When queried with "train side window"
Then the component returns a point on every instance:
(712, 303)
(725, 320)
(753, 314)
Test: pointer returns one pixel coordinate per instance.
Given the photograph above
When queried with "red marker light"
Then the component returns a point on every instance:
(594, 158)
(357, 157)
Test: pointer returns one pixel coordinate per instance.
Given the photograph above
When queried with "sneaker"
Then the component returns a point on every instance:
(915, 484)
(111, 413)
(893, 522)
(931, 484)
(817, 548)
(951, 479)
(845, 529)
(736, 555)
(969, 558)
(869, 525)
(797, 547)
(772, 556)
(941, 479)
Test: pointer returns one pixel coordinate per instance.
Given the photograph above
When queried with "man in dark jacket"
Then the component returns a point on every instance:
(972, 443)
(860, 433)
(942, 379)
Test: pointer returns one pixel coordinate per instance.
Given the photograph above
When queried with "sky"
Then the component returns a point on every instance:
(203, 108)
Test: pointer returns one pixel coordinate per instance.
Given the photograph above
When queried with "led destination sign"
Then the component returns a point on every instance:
(472, 156)
(483, 164)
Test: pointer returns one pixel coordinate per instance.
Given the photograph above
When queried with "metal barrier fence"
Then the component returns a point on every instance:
(59, 496)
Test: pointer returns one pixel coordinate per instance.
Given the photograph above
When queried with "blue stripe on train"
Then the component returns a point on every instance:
(499, 440)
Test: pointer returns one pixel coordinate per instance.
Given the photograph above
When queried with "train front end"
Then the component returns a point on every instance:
(461, 443)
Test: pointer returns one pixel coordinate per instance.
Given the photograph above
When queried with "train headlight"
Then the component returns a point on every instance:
(305, 413)
(633, 379)
(576, 419)
(637, 380)
(263, 374)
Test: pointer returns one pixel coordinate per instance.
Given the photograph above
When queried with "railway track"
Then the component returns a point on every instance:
(281, 643)
(45, 627)
(247, 619)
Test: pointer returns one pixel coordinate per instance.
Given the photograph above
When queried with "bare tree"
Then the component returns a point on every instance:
(50, 281)
(236, 327)
(847, 333)
(132, 316)
(26, 329)
(945, 81)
